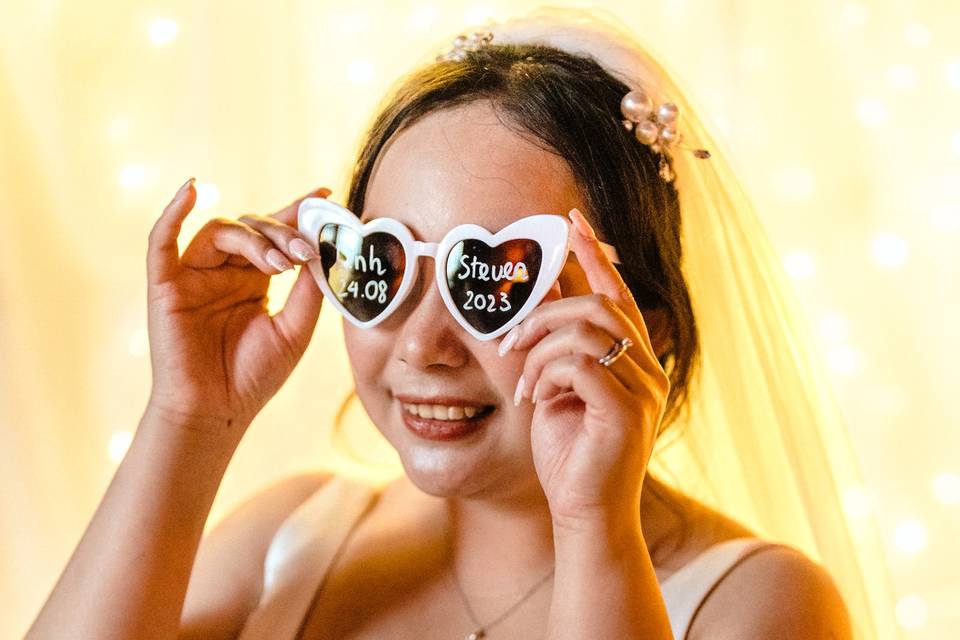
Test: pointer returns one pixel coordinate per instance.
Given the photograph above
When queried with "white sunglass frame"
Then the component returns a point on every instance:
(550, 231)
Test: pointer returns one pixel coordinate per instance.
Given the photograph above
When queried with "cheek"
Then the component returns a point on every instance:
(366, 356)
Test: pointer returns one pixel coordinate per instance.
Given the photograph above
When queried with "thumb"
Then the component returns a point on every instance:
(298, 318)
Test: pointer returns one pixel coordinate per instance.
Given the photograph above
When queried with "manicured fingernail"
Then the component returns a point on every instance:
(302, 250)
(581, 224)
(533, 397)
(509, 341)
(184, 187)
(277, 260)
(517, 395)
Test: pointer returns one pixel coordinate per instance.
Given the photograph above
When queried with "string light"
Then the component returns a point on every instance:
(917, 35)
(360, 71)
(871, 112)
(845, 359)
(910, 536)
(119, 444)
(139, 344)
(854, 14)
(911, 612)
(889, 250)
(163, 31)
(946, 488)
(132, 176)
(208, 196)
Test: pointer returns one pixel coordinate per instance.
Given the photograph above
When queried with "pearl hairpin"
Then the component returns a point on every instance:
(654, 127)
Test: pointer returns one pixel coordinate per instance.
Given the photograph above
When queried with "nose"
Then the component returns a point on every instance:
(428, 337)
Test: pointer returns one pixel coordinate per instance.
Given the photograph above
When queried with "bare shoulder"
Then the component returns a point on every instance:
(227, 575)
(774, 591)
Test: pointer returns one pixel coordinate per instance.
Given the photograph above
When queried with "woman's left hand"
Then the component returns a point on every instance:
(593, 426)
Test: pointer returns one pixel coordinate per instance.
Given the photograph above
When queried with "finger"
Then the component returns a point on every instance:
(594, 384)
(579, 337)
(222, 238)
(298, 318)
(285, 237)
(163, 255)
(602, 276)
(288, 215)
(601, 310)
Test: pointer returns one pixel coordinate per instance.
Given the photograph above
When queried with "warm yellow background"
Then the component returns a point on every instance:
(842, 118)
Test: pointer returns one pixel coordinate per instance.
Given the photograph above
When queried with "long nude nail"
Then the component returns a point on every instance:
(509, 341)
(277, 260)
(517, 395)
(581, 224)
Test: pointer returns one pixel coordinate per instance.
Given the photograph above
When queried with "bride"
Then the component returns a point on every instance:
(538, 499)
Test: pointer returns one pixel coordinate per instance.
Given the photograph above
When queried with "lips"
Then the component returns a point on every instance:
(442, 418)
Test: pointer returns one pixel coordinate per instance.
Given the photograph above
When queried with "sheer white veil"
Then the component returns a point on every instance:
(763, 441)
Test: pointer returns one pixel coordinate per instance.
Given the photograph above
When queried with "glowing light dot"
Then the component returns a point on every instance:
(946, 488)
(118, 445)
(796, 183)
(118, 129)
(910, 536)
(845, 359)
(871, 112)
(360, 71)
(423, 17)
(890, 250)
(139, 344)
(132, 176)
(911, 612)
(858, 503)
(163, 31)
(208, 195)
(902, 76)
(835, 327)
(917, 35)
(953, 74)
(945, 217)
(800, 264)
(854, 14)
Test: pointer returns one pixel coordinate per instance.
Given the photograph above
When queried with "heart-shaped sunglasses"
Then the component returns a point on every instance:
(489, 281)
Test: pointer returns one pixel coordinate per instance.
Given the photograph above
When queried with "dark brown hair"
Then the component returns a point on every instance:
(568, 105)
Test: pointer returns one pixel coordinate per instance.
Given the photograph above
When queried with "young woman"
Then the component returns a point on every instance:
(525, 423)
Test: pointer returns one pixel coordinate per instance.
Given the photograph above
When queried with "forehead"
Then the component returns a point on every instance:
(463, 165)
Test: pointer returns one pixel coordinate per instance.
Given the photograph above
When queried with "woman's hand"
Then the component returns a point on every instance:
(215, 351)
(593, 426)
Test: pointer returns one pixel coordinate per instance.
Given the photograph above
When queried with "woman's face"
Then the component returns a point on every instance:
(454, 167)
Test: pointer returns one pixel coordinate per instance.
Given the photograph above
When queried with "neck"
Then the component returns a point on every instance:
(477, 530)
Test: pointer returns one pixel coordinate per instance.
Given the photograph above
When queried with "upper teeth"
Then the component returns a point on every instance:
(440, 412)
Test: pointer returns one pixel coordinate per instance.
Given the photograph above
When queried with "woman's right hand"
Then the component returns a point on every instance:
(215, 351)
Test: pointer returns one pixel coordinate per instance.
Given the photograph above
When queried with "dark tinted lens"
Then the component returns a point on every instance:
(364, 272)
(490, 284)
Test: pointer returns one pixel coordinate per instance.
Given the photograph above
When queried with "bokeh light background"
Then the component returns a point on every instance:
(841, 117)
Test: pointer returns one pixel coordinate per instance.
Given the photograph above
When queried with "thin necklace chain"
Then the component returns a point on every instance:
(482, 628)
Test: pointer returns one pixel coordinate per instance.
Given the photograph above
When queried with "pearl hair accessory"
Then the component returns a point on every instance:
(654, 127)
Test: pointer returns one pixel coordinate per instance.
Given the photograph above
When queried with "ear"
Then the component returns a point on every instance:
(658, 326)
